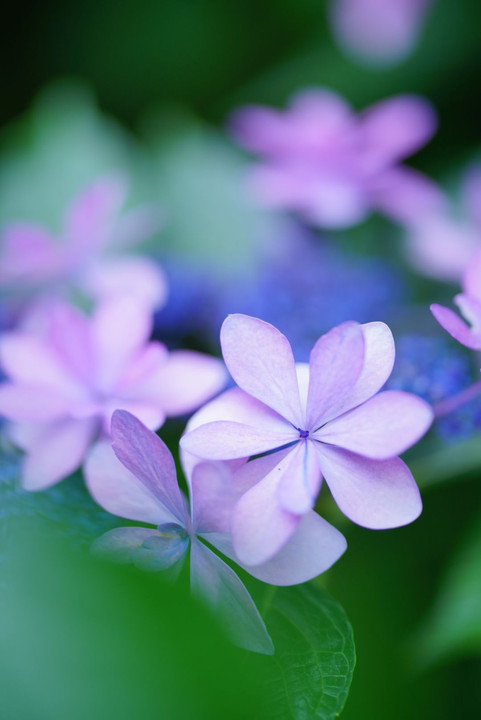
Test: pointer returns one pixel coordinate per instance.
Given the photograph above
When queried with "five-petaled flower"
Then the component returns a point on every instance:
(325, 419)
(63, 385)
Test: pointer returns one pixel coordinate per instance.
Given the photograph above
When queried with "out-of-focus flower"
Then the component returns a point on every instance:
(441, 245)
(469, 303)
(382, 32)
(89, 256)
(143, 487)
(63, 386)
(333, 167)
(322, 419)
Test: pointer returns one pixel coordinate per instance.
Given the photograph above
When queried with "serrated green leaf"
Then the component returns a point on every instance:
(311, 671)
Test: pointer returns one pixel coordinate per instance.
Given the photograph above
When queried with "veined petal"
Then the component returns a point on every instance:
(335, 365)
(376, 494)
(457, 328)
(58, 452)
(219, 587)
(230, 440)
(299, 487)
(118, 491)
(260, 524)
(382, 427)
(147, 548)
(148, 458)
(260, 360)
(214, 494)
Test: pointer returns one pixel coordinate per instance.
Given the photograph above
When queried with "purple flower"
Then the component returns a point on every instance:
(90, 254)
(469, 303)
(64, 385)
(378, 31)
(319, 420)
(143, 487)
(334, 168)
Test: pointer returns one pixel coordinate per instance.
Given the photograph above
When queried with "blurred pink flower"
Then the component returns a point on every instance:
(321, 419)
(442, 245)
(63, 386)
(90, 255)
(333, 167)
(380, 32)
(469, 303)
(141, 485)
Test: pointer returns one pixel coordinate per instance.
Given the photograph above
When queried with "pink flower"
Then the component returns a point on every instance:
(379, 31)
(90, 254)
(141, 485)
(63, 386)
(334, 168)
(440, 243)
(318, 420)
(469, 303)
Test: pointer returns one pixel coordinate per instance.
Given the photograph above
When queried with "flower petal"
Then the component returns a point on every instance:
(70, 336)
(382, 427)
(214, 494)
(230, 440)
(58, 453)
(335, 364)
(219, 587)
(118, 491)
(260, 360)
(147, 548)
(298, 489)
(260, 524)
(148, 458)
(457, 328)
(376, 494)
(135, 276)
(472, 278)
(22, 403)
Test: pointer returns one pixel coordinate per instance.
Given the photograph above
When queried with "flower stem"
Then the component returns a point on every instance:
(451, 404)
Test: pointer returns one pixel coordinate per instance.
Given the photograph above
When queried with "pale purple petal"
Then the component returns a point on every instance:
(29, 254)
(146, 362)
(299, 487)
(148, 458)
(24, 403)
(471, 193)
(260, 524)
(334, 200)
(406, 195)
(456, 327)
(120, 327)
(376, 494)
(135, 276)
(214, 494)
(382, 427)
(260, 360)
(472, 277)
(146, 548)
(147, 412)
(396, 128)
(118, 491)
(230, 440)
(70, 336)
(335, 364)
(59, 452)
(185, 380)
(219, 587)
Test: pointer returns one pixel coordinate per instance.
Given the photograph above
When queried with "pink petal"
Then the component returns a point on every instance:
(397, 127)
(135, 276)
(335, 200)
(456, 327)
(298, 489)
(120, 327)
(376, 494)
(219, 587)
(118, 491)
(260, 360)
(148, 458)
(30, 255)
(24, 403)
(70, 337)
(382, 427)
(260, 524)
(146, 362)
(59, 452)
(335, 364)
(228, 440)
(185, 380)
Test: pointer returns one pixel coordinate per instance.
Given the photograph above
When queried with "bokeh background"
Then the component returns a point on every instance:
(91, 87)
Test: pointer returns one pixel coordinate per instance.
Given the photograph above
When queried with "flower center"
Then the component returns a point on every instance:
(303, 433)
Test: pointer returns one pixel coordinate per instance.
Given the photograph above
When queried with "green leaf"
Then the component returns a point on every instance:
(453, 627)
(311, 671)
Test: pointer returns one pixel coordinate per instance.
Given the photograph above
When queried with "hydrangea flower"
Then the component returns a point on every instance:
(319, 420)
(90, 255)
(333, 167)
(377, 31)
(143, 487)
(442, 243)
(469, 303)
(63, 386)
